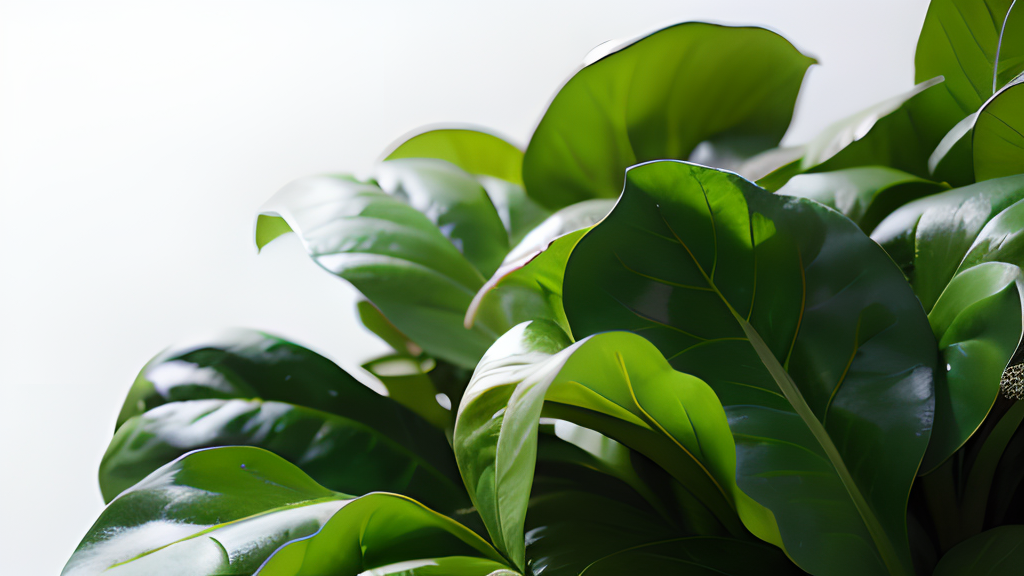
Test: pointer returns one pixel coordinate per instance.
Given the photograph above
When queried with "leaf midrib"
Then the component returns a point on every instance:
(795, 398)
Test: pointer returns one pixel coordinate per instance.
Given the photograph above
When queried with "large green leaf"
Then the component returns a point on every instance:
(998, 137)
(865, 195)
(617, 384)
(805, 329)
(662, 96)
(929, 237)
(226, 510)
(960, 40)
(997, 552)
(249, 388)
(534, 267)
(394, 255)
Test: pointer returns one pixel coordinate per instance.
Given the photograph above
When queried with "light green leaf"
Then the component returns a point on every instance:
(722, 94)
(615, 383)
(809, 335)
(532, 271)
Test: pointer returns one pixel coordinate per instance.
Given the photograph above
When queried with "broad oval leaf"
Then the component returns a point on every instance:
(960, 41)
(615, 383)
(250, 388)
(865, 195)
(536, 264)
(805, 329)
(394, 255)
(662, 96)
(226, 510)
(998, 137)
(996, 552)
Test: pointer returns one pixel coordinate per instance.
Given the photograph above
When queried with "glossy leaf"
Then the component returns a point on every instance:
(246, 387)
(496, 163)
(901, 132)
(998, 140)
(408, 383)
(929, 237)
(865, 195)
(960, 40)
(726, 93)
(807, 332)
(977, 322)
(536, 264)
(617, 384)
(226, 510)
(997, 552)
(395, 256)
(474, 151)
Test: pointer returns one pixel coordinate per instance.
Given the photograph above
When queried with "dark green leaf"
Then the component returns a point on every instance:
(865, 195)
(250, 388)
(997, 552)
(617, 384)
(724, 93)
(696, 556)
(805, 329)
(226, 510)
(959, 41)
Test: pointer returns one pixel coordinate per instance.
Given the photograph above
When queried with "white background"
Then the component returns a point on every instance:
(137, 139)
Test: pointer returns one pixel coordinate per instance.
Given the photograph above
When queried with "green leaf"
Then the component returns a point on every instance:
(375, 321)
(617, 384)
(977, 322)
(696, 556)
(496, 163)
(865, 195)
(408, 383)
(901, 133)
(395, 256)
(226, 510)
(929, 237)
(998, 140)
(997, 552)
(807, 332)
(454, 201)
(250, 388)
(529, 280)
(960, 40)
(474, 151)
(726, 93)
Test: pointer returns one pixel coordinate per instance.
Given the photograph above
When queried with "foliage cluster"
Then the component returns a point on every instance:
(654, 342)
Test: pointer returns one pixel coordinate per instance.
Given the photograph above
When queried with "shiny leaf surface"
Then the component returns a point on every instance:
(226, 510)
(246, 387)
(865, 195)
(998, 140)
(729, 91)
(807, 332)
(535, 266)
(395, 256)
(960, 40)
(615, 383)
(997, 552)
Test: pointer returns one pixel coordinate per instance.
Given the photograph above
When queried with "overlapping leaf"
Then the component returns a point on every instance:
(804, 328)
(997, 552)
(227, 510)
(249, 388)
(728, 91)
